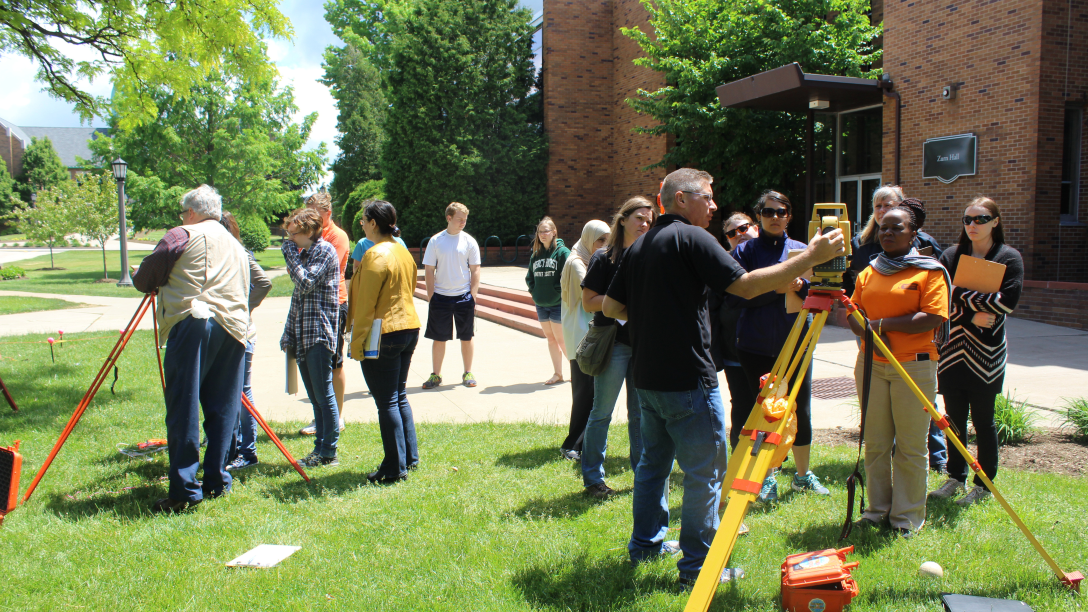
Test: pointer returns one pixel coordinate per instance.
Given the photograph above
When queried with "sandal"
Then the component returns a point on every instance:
(554, 380)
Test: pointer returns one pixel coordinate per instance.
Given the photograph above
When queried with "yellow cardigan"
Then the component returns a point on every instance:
(383, 288)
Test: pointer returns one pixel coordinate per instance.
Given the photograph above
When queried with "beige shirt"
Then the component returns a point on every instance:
(209, 281)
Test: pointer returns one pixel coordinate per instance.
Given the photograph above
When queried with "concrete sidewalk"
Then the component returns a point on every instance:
(1046, 363)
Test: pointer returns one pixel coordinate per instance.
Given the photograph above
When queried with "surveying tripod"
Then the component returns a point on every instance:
(765, 438)
(147, 303)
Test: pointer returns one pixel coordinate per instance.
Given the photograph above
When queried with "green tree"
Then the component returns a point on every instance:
(700, 45)
(50, 219)
(356, 86)
(9, 196)
(370, 190)
(462, 122)
(140, 44)
(235, 135)
(93, 206)
(42, 168)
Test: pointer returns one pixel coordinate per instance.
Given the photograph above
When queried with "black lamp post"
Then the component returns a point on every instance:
(120, 169)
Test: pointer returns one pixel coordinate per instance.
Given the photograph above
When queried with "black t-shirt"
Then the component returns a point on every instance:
(665, 279)
(598, 277)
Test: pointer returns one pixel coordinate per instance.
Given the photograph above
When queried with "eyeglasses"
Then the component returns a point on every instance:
(770, 213)
(978, 219)
(709, 196)
(740, 229)
(182, 214)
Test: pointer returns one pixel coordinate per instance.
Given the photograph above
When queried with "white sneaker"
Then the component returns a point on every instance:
(309, 430)
(976, 495)
(948, 490)
(341, 423)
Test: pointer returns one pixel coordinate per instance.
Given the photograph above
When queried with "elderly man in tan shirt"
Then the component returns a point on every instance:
(202, 276)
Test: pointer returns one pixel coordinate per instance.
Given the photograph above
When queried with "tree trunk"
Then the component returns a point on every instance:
(105, 272)
(51, 264)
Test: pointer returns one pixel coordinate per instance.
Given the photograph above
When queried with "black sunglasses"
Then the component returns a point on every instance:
(740, 229)
(978, 219)
(770, 213)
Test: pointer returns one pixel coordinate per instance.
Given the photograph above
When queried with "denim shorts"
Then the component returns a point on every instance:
(550, 313)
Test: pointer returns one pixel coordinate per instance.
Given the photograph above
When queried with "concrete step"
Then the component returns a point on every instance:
(508, 313)
(514, 295)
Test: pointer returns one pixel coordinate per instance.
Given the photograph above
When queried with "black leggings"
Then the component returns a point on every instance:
(741, 401)
(980, 404)
(581, 387)
(755, 366)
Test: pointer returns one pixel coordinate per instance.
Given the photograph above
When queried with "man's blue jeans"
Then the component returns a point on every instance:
(203, 367)
(316, 371)
(690, 426)
(606, 389)
(387, 379)
(245, 431)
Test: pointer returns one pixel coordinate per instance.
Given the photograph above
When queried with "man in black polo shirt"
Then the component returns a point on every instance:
(661, 288)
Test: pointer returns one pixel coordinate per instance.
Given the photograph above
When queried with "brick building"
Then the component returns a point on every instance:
(69, 143)
(1017, 74)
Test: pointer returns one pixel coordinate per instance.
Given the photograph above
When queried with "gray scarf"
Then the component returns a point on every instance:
(891, 265)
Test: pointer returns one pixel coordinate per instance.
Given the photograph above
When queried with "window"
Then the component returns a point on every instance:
(858, 150)
(1071, 151)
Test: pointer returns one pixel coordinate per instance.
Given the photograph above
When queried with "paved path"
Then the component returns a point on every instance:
(12, 254)
(1046, 364)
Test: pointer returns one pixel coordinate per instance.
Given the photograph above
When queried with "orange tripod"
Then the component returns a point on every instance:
(111, 360)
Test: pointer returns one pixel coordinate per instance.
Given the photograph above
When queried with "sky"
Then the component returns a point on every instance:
(298, 61)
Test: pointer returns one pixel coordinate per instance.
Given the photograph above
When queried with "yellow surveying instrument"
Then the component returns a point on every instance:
(768, 433)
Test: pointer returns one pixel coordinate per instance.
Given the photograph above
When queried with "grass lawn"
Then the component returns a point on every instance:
(12, 304)
(153, 236)
(494, 519)
(13, 238)
(81, 270)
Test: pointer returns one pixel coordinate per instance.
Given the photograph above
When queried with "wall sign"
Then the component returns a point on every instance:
(949, 157)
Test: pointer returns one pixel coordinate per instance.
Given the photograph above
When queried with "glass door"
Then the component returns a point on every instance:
(858, 151)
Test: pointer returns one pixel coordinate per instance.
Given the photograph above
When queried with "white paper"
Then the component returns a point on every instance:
(374, 342)
(265, 555)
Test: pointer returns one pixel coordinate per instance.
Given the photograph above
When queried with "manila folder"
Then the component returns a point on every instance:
(977, 274)
(291, 373)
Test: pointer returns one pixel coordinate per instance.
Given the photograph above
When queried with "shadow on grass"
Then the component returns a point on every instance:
(826, 535)
(297, 489)
(924, 595)
(530, 459)
(585, 583)
(567, 506)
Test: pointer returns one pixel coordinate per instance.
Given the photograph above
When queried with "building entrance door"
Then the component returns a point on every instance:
(858, 161)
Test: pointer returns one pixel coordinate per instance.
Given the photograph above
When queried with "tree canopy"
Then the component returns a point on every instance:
(700, 45)
(356, 85)
(140, 44)
(231, 133)
(49, 220)
(42, 168)
(464, 123)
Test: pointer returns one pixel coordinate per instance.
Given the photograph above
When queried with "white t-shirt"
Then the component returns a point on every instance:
(451, 256)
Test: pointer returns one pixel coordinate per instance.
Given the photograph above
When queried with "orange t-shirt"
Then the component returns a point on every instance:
(339, 241)
(912, 290)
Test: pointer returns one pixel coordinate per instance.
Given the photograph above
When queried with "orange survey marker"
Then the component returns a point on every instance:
(11, 463)
(818, 581)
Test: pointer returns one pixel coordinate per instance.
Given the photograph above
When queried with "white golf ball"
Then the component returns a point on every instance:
(930, 569)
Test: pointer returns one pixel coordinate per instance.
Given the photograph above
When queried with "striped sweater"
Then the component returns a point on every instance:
(974, 357)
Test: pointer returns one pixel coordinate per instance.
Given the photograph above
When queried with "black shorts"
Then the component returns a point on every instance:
(341, 334)
(445, 310)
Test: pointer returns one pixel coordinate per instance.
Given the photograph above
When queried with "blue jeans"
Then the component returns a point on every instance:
(245, 431)
(937, 447)
(203, 368)
(606, 389)
(316, 371)
(690, 426)
(387, 379)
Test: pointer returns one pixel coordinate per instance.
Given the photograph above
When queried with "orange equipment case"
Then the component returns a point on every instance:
(818, 581)
(11, 463)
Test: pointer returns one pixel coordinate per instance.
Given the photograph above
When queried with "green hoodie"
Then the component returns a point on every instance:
(545, 269)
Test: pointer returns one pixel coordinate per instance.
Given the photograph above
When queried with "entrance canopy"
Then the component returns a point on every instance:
(791, 90)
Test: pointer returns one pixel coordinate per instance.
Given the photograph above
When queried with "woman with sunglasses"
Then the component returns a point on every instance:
(972, 366)
(737, 229)
(866, 245)
(763, 327)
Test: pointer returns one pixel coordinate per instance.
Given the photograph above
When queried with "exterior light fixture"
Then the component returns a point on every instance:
(818, 102)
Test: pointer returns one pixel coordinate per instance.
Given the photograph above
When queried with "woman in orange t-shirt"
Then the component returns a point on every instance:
(905, 298)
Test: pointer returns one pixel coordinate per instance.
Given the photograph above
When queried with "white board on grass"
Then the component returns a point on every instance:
(265, 555)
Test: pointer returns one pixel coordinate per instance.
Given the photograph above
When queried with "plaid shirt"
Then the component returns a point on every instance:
(314, 316)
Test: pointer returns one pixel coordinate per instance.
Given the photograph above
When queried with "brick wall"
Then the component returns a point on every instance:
(1009, 96)
(11, 151)
(594, 161)
(1064, 304)
(1061, 250)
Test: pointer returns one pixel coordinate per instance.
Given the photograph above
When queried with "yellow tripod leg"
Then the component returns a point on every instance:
(1072, 579)
(752, 468)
